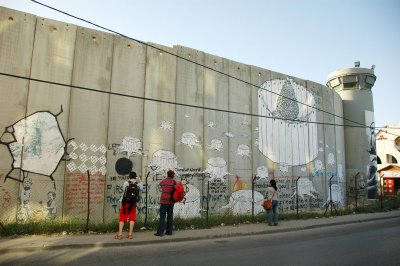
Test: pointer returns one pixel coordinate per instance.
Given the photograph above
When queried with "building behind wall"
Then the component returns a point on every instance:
(388, 150)
(110, 105)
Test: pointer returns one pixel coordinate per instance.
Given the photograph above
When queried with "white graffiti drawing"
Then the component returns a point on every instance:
(318, 168)
(229, 134)
(241, 202)
(245, 121)
(190, 207)
(190, 139)
(211, 124)
(256, 143)
(243, 150)
(216, 144)
(163, 161)
(284, 167)
(291, 120)
(131, 146)
(94, 162)
(340, 173)
(36, 144)
(166, 125)
(331, 159)
(262, 173)
(305, 188)
(217, 169)
(336, 192)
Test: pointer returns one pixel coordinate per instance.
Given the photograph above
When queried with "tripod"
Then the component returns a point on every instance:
(330, 203)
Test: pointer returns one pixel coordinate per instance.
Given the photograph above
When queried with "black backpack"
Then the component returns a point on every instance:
(131, 193)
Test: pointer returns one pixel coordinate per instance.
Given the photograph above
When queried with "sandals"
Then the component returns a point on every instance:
(119, 237)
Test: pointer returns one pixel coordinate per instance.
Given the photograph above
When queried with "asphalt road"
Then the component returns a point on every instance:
(367, 243)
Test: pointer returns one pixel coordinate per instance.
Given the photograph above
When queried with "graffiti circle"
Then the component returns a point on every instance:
(123, 166)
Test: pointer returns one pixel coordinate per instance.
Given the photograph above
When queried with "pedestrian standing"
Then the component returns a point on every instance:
(127, 212)
(166, 205)
(272, 193)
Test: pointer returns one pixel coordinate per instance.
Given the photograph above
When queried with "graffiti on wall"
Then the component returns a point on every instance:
(78, 191)
(372, 168)
(217, 169)
(190, 207)
(287, 128)
(85, 158)
(190, 140)
(36, 144)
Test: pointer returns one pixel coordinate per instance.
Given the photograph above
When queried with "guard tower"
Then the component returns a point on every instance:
(354, 87)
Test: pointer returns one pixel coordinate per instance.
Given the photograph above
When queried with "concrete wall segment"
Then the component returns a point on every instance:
(16, 41)
(124, 107)
(189, 120)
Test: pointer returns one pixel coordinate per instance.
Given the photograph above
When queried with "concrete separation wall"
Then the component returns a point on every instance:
(78, 102)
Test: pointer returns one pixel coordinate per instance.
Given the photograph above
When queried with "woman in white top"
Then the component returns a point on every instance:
(272, 193)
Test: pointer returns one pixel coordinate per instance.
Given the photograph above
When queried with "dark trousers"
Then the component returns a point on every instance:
(166, 210)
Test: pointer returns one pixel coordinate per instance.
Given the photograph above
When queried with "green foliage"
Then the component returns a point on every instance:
(73, 225)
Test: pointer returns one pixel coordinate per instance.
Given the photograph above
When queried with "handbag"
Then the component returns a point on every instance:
(267, 204)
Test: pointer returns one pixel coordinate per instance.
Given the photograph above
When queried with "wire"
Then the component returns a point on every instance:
(170, 102)
(193, 62)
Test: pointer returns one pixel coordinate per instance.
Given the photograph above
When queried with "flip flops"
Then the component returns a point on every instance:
(129, 236)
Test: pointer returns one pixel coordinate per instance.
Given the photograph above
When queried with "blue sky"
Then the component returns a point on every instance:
(308, 39)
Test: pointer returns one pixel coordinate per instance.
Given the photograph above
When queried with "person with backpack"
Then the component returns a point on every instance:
(166, 204)
(128, 201)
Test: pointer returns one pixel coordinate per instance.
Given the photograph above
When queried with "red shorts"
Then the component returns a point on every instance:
(127, 216)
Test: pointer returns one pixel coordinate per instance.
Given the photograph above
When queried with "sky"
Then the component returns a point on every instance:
(308, 39)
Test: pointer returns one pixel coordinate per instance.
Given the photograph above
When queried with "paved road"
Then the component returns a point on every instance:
(374, 242)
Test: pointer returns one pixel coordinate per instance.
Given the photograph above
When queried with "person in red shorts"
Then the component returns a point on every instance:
(127, 211)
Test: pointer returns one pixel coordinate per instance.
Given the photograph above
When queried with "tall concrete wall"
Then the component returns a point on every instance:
(106, 103)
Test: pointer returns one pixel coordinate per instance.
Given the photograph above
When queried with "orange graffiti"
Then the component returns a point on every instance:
(6, 199)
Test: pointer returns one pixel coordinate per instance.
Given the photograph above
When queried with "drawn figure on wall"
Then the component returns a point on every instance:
(216, 144)
(166, 125)
(190, 140)
(287, 128)
(25, 211)
(319, 168)
(243, 150)
(239, 184)
(241, 202)
(262, 173)
(51, 205)
(372, 182)
(305, 188)
(217, 169)
(6, 200)
(190, 206)
(337, 198)
(372, 179)
(130, 146)
(162, 161)
(36, 144)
